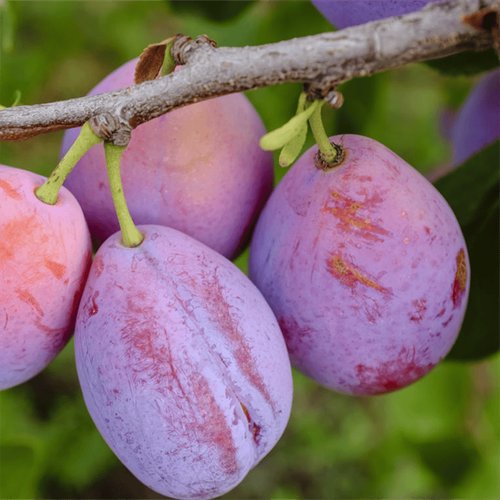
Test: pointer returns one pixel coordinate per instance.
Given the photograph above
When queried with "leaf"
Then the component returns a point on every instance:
(472, 191)
(279, 137)
(292, 148)
(468, 63)
(151, 61)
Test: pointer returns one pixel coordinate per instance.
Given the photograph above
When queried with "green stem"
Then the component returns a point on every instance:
(49, 191)
(327, 150)
(131, 236)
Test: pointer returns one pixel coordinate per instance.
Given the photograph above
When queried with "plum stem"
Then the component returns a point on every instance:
(327, 151)
(49, 191)
(131, 236)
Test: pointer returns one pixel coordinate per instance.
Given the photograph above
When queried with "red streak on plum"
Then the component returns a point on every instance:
(98, 265)
(220, 314)
(348, 274)
(57, 269)
(390, 375)
(18, 233)
(420, 306)
(212, 428)
(10, 191)
(27, 298)
(459, 283)
(94, 309)
(294, 335)
(345, 210)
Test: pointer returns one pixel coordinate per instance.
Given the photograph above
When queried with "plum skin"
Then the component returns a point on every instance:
(478, 122)
(365, 267)
(345, 13)
(198, 169)
(45, 256)
(182, 364)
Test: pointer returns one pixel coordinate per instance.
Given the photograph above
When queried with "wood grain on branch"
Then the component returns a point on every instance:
(321, 61)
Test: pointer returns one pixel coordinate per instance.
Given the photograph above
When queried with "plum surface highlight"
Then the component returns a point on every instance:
(182, 364)
(365, 267)
(198, 169)
(45, 256)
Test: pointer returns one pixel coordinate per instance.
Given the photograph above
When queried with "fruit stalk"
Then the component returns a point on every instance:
(49, 191)
(131, 236)
(328, 152)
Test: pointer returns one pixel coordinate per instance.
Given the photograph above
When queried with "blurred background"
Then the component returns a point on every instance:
(438, 438)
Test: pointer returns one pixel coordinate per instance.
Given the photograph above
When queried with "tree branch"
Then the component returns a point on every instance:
(321, 61)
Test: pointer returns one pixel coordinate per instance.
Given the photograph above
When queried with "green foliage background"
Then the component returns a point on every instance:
(438, 438)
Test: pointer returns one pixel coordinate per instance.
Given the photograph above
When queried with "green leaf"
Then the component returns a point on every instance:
(292, 148)
(279, 137)
(472, 190)
(467, 63)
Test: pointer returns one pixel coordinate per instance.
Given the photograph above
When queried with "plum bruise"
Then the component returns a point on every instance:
(345, 13)
(198, 169)
(45, 256)
(182, 364)
(365, 267)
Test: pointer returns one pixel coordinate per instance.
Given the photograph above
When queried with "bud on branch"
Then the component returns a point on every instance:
(321, 62)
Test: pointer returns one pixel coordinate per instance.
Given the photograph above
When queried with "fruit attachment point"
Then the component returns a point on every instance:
(322, 163)
(49, 191)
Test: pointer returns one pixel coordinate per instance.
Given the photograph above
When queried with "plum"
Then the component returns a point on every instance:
(478, 121)
(198, 169)
(345, 13)
(365, 267)
(45, 256)
(181, 362)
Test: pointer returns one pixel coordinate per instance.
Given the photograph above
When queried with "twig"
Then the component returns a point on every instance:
(321, 61)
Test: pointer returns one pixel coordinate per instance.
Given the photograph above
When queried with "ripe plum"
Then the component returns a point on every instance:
(365, 267)
(478, 122)
(182, 364)
(198, 169)
(45, 256)
(345, 13)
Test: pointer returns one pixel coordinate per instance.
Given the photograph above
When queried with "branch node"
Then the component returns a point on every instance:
(184, 46)
(111, 129)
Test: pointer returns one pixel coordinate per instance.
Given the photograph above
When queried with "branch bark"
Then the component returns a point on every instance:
(321, 61)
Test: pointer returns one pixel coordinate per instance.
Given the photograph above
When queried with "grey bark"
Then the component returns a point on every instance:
(321, 61)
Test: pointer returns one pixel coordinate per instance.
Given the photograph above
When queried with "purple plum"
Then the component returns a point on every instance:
(198, 169)
(182, 364)
(45, 256)
(365, 267)
(345, 13)
(478, 121)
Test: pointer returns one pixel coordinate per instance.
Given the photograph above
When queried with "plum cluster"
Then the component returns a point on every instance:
(359, 278)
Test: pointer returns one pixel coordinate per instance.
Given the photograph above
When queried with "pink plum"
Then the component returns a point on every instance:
(198, 169)
(182, 364)
(365, 267)
(45, 256)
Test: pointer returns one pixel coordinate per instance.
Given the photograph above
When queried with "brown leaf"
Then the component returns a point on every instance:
(486, 19)
(150, 62)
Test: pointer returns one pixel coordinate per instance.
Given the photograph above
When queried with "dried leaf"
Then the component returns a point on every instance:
(485, 19)
(151, 61)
